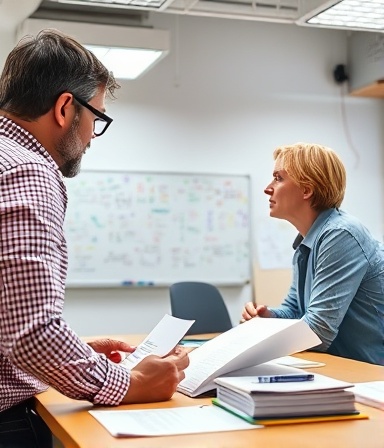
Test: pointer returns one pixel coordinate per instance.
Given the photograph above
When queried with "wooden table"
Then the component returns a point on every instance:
(71, 423)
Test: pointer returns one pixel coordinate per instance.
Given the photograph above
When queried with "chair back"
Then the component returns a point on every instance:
(202, 302)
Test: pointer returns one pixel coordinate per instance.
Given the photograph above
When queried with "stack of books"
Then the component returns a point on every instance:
(276, 392)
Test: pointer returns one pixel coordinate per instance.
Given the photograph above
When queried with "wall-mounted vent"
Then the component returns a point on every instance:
(283, 11)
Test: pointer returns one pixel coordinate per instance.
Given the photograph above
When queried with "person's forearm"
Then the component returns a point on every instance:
(56, 356)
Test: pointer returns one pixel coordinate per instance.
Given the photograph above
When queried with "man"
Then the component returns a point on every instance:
(338, 267)
(52, 93)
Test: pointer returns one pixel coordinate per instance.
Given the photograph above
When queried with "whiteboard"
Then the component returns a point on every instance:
(154, 229)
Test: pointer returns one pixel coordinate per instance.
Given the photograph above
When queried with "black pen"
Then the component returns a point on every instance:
(284, 378)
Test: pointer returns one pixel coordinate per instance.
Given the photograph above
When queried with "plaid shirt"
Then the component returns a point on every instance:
(37, 347)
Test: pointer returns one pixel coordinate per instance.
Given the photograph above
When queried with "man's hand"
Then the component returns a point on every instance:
(155, 379)
(250, 311)
(111, 348)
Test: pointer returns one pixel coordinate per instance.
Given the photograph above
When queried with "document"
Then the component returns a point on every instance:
(251, 343)
(169, 421)
(370, 393)
(162, 339)
(298, 362)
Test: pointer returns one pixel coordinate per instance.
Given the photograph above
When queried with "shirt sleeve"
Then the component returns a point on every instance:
(289, 308)
(339, 268)
(33, 265)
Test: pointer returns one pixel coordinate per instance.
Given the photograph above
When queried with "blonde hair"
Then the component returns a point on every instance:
(317, 167)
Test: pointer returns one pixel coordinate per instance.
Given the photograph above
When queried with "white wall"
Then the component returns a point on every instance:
(232, 92)
(11, 14)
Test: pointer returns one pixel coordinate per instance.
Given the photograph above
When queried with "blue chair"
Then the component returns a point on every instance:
(202, 302)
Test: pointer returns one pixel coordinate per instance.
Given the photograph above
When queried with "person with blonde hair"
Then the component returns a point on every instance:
(338, 267)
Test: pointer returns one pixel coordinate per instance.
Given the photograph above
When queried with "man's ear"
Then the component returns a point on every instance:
(64, 109)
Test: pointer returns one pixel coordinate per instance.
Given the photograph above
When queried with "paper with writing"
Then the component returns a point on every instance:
(162, 339)
(169, 421)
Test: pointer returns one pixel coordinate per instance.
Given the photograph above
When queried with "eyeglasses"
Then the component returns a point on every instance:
(101, 123)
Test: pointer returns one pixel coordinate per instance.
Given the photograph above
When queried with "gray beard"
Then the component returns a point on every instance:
(68, 148)
(71, 168)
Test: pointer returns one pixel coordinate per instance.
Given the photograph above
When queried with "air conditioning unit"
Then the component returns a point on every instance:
(366, 64)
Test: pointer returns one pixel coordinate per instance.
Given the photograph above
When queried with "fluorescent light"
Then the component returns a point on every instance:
(367, 15)
(127, 51)
(126, 63)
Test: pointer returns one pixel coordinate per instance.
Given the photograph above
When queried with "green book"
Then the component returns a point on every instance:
(356, 415)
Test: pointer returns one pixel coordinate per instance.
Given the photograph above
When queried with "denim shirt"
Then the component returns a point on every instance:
(338, 286)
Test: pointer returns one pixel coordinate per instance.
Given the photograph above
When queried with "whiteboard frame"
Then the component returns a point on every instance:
(165, 284)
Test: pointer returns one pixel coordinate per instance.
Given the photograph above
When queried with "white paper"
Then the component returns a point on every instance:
(250, 384)
(274, 243)
(370, 393)
(162, 339)
(170, 421)
(299, 363)
(253, 342)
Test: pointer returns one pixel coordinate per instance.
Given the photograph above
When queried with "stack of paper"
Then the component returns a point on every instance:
(370, 393)
(255, 399)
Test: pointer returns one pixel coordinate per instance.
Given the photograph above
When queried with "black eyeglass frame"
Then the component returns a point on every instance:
(100, 115)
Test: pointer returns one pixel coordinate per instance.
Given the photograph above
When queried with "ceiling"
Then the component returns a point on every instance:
(136, 13)
(126, 12)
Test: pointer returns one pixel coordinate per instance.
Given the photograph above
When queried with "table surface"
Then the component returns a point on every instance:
(71, 423)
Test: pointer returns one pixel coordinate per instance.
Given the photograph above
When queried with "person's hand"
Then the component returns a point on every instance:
(250, 311)
(111, 348)
(155, 379)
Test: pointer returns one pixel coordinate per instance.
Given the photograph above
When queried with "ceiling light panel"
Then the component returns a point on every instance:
(367, 15)
(126, 63)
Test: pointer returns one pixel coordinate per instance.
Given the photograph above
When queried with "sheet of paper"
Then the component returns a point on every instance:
(297, 362)
(162, 339)
(170, 421)
(274, 243)
(370, 393)
(249, 384)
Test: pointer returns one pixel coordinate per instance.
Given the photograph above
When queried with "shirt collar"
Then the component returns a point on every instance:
(323, 217)
(21, 136)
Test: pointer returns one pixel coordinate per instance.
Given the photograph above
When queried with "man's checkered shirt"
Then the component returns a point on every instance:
(37, 347)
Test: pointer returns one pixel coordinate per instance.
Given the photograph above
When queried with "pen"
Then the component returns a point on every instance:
(284, 378)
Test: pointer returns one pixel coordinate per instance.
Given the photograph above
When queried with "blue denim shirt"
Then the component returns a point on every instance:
(341, 295)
